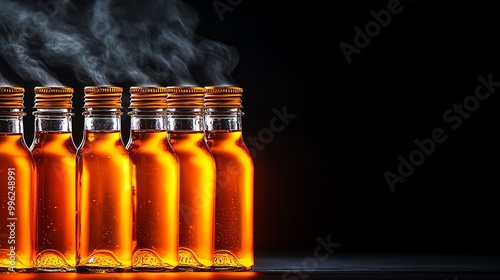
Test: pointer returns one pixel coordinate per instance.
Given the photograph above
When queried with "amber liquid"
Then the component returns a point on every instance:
(17, 187)
(234, 202)
(197, 200)
(104, 204)
(54, 154)
(156, 184)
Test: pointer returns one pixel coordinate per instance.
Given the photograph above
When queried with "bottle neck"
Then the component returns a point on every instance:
(148, 119)
(102, 119)
(227, 119)
(59, 120)
(11, 121)
(185, 119)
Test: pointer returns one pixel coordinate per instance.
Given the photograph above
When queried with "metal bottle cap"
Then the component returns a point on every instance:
(103, 97)
(148, 97)
(11, 97)
(185, 97)
(223, 96)
(53, 97)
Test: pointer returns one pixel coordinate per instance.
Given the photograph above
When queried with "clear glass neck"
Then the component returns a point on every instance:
(53, 120)
(148, 119)
(102, 119)
(185, 119)
(227, 119)
(11, 121)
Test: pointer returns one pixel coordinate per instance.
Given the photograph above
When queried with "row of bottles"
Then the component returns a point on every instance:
(177, 197)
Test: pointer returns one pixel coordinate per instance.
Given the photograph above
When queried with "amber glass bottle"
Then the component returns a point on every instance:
(197, 177)
(17, 181)
(235, 179)
(54, 153)
(155, 182)
(104, 187)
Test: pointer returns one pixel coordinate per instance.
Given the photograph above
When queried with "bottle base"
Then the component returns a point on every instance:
(154, 269)
(145, 260)
(10, 262)
(184, 268)
(54, 269)
(100, 269)
(224, 260)
(8, 270)
(52, 261)
(102, 262)
(232, 268)
(189, 262)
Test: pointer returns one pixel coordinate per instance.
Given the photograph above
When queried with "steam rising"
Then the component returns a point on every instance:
(108, 42)
(18, 24)
(217, 62)
(4, 82)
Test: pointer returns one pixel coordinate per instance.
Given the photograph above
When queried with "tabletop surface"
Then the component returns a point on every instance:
(339, 266)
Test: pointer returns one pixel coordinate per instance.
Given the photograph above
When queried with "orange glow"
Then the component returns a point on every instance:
(104, 204)
(17, 173)
(54, 155)
(156, 185)
(197, 200)
(135, 276)
(192, 276)
(234, 201)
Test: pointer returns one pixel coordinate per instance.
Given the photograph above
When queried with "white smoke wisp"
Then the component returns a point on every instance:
(20, 24)
(216, 63)
(106, 42)
(4, 82)
(68, 42)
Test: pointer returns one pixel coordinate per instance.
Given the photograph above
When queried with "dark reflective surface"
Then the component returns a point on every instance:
(339, 266)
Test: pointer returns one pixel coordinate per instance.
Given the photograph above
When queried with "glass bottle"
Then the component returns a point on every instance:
(17, 181)
(104, 187)
(197, 177)
(155, 182)
(235, 179)
(54, 153)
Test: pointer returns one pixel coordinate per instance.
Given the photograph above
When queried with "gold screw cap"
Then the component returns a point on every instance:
(109, 97)
(223, 96)
(53, 97)
(11, 97)
(185, 97)
(148, 97)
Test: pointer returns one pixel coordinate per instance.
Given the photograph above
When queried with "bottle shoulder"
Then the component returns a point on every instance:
(14, 145)
(53, 144)
(163, 148)
(226, 141)
(104, 144)
(184, 147)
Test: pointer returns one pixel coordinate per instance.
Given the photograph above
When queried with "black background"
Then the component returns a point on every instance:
(323, 174)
